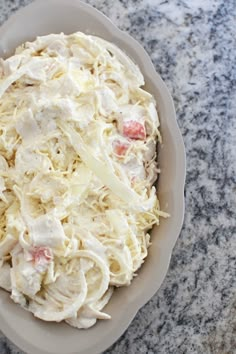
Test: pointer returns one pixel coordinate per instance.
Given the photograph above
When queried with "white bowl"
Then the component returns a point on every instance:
(37, 337)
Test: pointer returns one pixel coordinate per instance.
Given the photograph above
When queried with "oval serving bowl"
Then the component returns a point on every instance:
(37, 337)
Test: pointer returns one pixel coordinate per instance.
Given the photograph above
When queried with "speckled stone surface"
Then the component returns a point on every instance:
(192, 44)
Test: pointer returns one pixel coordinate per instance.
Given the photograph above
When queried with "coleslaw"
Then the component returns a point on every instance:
(78, 137)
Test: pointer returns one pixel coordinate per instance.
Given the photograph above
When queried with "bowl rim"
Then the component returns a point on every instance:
(151, 73)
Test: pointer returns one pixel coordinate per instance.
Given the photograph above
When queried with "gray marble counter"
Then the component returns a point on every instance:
(192, 44)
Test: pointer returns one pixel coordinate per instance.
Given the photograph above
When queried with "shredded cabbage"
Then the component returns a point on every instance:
(78, 138)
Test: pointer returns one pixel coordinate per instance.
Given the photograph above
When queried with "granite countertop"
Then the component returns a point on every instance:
(192, 44)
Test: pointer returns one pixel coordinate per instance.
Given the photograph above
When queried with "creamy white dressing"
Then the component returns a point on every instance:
(46, 230)
(77, 163)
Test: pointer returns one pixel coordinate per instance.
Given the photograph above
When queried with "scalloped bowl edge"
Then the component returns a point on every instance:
(61, 16)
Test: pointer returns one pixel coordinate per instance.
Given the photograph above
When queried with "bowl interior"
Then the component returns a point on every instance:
(32, 335)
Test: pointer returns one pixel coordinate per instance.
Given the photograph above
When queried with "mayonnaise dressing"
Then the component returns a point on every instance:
(78, 139)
